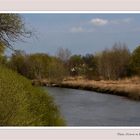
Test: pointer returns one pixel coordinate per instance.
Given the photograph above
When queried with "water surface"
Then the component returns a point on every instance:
(87, 108)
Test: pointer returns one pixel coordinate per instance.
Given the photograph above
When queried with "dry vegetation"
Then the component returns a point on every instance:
(129, 87)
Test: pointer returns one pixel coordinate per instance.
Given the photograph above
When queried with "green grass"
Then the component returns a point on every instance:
(21, 104)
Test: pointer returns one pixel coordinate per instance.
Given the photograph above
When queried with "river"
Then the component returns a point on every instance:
(87, 108)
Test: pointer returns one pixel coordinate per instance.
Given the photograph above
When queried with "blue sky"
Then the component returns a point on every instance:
(80, 33)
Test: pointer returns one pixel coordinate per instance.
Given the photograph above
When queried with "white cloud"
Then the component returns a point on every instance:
(121, 21)
(77, 29)
(137, 29)
(127, 20)
(99, 21)
(81, 30)
(102, 22)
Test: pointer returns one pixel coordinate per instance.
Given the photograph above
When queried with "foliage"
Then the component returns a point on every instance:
(110, 64)
(57, 71)
(21, 104)
(12, 28)
(113, 63)
(76, 65)
(2, 48)
(83, 66)
(18, 62)
(90, 66)
(63, 54)
(135, 62)
(38, 66)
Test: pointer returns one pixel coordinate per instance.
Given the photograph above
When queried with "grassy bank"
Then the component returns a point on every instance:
(129, 87)
(21, 104)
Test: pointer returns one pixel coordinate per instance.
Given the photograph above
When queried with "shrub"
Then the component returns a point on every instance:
(135, 62)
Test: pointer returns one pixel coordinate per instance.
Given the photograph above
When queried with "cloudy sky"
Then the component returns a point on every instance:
(80, 33)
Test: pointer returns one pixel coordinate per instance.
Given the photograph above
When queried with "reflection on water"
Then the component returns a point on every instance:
(87, 108)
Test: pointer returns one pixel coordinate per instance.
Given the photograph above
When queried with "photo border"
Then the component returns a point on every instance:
(121, 128)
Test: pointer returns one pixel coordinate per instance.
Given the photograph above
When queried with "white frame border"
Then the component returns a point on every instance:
(71, 127)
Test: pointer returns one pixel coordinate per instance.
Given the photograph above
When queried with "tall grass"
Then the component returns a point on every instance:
(128, 87)
(21, 104)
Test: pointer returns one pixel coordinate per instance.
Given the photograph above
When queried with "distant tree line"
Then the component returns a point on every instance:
(109, 64)
(37, 66)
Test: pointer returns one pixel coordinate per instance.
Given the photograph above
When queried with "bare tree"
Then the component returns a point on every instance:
(112, 63)
(12, 28)
(63, 54)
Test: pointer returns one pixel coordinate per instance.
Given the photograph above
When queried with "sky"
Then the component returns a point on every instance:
(80, 33)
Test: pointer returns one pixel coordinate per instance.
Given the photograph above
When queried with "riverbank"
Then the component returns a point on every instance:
(129, 87)
(21, 104)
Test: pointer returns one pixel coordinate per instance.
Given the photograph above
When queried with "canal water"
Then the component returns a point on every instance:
(87, 108)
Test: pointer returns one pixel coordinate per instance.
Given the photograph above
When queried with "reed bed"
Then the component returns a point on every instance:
(128, 87)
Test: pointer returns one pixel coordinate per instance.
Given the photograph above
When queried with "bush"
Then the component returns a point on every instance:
(135, 62)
